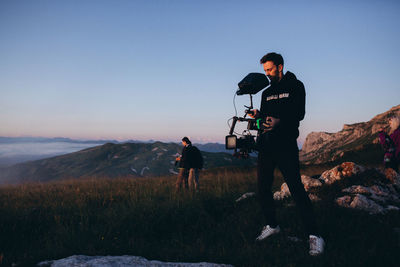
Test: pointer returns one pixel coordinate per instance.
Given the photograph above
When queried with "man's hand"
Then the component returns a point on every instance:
(254, 113)
(270, 123)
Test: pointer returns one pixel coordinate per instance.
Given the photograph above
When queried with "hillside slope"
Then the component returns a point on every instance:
(111, 160)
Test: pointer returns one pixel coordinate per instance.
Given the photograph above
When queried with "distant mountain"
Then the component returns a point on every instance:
(355, 142)
(15, 150)
(112, 160)
(212, 147)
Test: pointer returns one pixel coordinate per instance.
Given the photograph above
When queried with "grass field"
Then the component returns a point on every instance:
(146, 217)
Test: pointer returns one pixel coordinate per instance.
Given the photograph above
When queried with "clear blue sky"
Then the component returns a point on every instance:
(165, 69)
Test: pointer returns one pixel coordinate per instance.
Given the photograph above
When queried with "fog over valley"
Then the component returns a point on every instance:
(12, 153)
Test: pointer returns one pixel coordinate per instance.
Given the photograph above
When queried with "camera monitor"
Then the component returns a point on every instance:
(252, 84)
(230, 141)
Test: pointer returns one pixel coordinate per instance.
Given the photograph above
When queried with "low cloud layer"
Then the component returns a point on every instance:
(19, 152)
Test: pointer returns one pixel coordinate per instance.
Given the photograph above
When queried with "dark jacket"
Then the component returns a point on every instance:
(183, 163)
(285, 100)
(391, 145)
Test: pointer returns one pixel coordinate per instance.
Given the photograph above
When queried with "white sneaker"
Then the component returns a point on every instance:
(267, 231)
(317, 245)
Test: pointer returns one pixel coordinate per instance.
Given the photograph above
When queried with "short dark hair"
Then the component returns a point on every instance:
(274, 57)
(186, 140)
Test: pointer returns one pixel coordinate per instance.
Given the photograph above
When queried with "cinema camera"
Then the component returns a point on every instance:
(246, 143)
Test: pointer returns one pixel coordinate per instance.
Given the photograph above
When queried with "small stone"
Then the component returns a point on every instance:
(246, 195)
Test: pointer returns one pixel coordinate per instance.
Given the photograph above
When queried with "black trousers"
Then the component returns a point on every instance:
(281, 152)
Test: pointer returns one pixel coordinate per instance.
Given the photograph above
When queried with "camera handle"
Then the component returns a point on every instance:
(249, 108)
(235, 119)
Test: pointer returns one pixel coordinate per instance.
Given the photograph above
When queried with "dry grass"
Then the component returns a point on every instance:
(146, 217)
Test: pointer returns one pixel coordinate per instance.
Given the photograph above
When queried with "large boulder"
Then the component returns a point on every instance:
(344, 170)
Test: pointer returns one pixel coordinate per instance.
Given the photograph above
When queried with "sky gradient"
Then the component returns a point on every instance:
(162, 70)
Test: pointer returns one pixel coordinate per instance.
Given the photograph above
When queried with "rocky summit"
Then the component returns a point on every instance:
(352, 142)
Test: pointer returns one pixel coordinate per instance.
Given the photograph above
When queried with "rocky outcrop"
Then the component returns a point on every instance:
(380, 197)
(120, 261)
(374, 199)
(322, 147)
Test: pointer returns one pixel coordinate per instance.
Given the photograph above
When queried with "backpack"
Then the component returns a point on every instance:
(197, 158)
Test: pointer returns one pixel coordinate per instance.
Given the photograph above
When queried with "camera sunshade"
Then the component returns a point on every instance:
(252, 84)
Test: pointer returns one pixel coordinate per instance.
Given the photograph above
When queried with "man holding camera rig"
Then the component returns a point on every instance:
(282, 108)
(183, 165)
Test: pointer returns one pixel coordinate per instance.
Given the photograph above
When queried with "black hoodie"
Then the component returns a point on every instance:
(285, 100)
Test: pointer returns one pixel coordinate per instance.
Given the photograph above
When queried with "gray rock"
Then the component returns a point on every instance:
(390, 207)
(308, 183)
(364, 203)
(374, 199)
(360, 202)
(246, 195)
(119, 261)
(344, 170)
(313, 197)
(283, 193)
(376, 192)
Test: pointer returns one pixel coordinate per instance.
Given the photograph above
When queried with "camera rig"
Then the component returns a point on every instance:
(246, 143)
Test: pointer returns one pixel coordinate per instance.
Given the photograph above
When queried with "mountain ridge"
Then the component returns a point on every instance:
(354, 139)
(112, 160)
(14, 150)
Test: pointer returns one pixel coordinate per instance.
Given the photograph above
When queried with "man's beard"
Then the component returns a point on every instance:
(273, 79)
